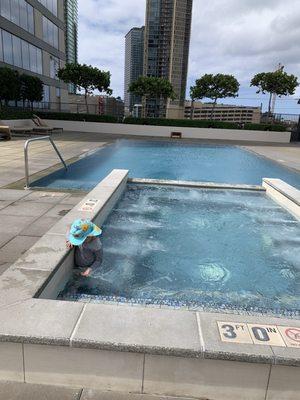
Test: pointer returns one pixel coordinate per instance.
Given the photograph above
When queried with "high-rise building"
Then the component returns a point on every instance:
(134, 57)
(32, 41)
(167, 41)
(71, 18)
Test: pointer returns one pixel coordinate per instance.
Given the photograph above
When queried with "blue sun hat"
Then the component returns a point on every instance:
(81, 229)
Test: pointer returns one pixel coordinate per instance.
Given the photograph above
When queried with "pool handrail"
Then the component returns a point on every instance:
(26, 145)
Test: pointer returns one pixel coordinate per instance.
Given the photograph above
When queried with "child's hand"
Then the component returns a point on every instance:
(87, 272)
(69, 245)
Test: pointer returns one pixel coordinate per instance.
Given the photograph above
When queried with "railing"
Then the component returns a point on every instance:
(116, 109)
(26, 155)
(287, 119)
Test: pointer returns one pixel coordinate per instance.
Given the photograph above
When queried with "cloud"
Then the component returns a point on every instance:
(228, 36)
(102, 29)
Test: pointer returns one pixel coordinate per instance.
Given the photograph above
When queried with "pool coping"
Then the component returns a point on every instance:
(284, 194)
(27, 319)
(193, 184)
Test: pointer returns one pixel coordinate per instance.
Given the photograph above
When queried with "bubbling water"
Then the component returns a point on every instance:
(216, 248)
(213, 273)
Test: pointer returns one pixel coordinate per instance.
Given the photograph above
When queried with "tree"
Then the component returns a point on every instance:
(32, 89)
(278, 82)
(193, 95)
(85, 77)
(214, 87)
(9, 85)
(150, 87)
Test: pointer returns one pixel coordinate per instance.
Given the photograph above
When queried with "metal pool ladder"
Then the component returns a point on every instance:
(26, 155)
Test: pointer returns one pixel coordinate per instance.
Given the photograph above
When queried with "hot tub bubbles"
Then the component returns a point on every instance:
(213, 273)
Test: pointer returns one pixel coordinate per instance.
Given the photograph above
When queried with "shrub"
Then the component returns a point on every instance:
(265, 127)
(181, 123)
(204, 124)
(76, 117)
(7, 113)
(12, 113)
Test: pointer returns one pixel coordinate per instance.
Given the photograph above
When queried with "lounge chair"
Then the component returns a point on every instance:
(42, 124)
(5, 132)
(16, 129)
(28, 127)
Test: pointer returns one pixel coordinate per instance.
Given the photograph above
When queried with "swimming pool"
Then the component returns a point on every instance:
(193, 247)
(169, 160)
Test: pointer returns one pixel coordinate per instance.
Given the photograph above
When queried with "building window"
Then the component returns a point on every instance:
(30, 19)
(51, 5)
(5, 9)
(19, 53)
(1, 47)
(32, 58)
(54, 67)
(19, 12)
(46, 96)
(25, 55)
(7, 47)
(50, 32)
(57, 92)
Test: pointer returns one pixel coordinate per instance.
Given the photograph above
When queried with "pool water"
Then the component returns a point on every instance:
(194, 247)
(170, 160)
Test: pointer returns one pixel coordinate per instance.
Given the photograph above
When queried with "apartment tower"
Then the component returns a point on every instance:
(167, 42)
(32, 41)
(134, 57)
(71, 19)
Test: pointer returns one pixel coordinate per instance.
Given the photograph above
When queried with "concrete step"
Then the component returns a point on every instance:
(27, 391)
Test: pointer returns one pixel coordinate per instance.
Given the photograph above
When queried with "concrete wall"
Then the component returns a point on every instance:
(284, 194)
(165, 131)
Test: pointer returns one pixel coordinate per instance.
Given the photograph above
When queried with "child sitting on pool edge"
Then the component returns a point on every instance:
(84, 236)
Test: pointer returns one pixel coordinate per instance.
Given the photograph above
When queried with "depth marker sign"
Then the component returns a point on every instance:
(89, 205)
(267, 335)
(290, 335)
(234, 332)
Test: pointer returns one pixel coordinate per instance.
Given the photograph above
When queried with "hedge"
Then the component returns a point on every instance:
(265, 127)
(20, 114)
(77, 117)
(14, 114)
(203, 124)
(181, 123)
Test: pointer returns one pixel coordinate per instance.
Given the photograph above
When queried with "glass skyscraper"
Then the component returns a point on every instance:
(32, 41)
(167, 41)
(134, 55)
(71, 18)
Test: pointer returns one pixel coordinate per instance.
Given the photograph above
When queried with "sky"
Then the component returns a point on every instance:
(238, 37)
